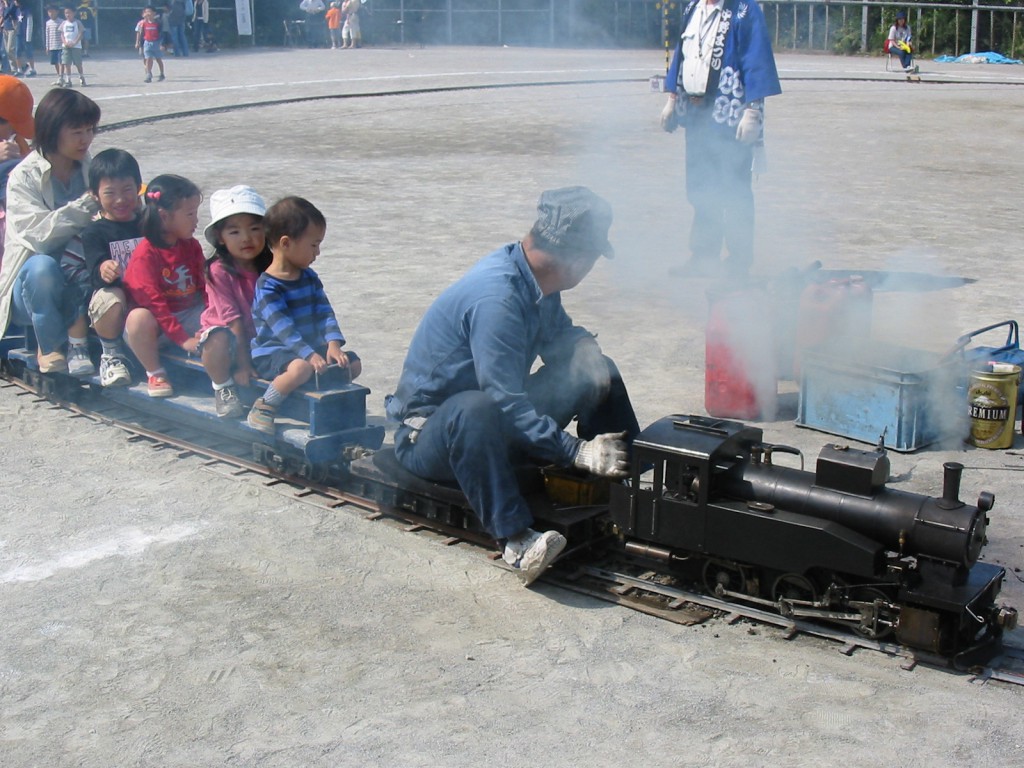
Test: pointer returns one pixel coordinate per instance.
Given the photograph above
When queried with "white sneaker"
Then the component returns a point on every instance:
(531, 553)
(113, 372)
(79, 363)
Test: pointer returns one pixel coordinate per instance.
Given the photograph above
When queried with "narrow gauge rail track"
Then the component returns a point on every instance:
(585, 570)
(224, 108)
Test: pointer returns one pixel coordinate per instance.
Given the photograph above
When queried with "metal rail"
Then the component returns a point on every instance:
(221, 109)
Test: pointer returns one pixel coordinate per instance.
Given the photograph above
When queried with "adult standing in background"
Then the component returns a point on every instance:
(26, 63)
(176, 22)
(201, 23)
(314, 10)
(350, 34)
(7, 27)
(721, 72)
(87, 18)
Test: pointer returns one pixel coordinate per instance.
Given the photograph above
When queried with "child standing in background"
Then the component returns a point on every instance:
(333, 17)
(147, 40)
(53, 42)
(164, 278)
(240, 256)
(71, 37)
(297, 333)
(23, 47)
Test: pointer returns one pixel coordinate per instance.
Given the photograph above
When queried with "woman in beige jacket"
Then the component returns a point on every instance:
(48, 206)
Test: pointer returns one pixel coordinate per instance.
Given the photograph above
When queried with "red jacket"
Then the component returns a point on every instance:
(167, 281)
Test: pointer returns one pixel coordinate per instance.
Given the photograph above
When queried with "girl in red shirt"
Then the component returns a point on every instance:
(164, 279)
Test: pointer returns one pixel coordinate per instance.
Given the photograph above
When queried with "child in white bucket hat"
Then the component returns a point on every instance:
(240, 256)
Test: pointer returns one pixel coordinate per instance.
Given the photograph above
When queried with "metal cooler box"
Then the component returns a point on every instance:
(862, 392)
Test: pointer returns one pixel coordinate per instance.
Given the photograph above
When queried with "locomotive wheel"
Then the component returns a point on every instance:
(790, 587)
(314, 473)
(720, 578)
(870, 626)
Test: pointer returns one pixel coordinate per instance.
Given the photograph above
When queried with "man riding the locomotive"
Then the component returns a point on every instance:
(470, 409)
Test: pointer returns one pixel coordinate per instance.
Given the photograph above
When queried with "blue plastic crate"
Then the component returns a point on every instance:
(863, 392)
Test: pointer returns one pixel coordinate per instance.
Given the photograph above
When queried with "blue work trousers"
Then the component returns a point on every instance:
(718, 186)
(467, 440)
(43, 299)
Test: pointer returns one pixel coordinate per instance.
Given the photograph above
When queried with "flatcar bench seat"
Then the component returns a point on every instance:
(337, 406)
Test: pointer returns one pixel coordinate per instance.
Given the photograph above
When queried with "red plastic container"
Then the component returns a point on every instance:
(835, 312)
(739, 356)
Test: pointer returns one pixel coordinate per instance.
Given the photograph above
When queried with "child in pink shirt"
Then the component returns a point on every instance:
(240, 255)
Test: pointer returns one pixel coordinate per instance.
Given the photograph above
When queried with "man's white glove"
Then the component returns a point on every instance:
(669, 120)
(606, 455)
(749, 129)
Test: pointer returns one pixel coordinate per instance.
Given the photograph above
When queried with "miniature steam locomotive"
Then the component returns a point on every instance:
(834, 545)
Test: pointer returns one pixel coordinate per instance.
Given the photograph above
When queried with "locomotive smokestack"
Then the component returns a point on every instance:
(951, 472)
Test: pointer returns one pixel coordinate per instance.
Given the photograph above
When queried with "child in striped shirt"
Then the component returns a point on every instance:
(297, 333)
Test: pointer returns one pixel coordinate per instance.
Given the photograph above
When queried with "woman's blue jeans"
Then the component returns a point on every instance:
(179, 41)
(41, 298)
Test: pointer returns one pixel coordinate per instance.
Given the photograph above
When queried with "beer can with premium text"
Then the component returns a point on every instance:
(992, 405)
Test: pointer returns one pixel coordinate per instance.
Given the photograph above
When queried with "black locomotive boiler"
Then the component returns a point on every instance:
(834, 544)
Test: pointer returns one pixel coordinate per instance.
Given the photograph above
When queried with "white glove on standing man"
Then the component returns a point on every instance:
(669, 122)
(606, 455)
(749, 129)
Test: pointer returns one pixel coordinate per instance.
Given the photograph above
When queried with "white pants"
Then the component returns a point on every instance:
(351, 29)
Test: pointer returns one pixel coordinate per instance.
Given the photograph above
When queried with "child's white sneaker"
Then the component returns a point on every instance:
(113, 372)
(79, 363)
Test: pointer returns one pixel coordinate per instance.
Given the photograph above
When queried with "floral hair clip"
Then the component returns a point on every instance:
(153, 195)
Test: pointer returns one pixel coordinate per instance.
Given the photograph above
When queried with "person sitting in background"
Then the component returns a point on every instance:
(898, 42)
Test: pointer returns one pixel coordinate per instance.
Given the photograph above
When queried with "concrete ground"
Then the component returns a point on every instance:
(158, 614)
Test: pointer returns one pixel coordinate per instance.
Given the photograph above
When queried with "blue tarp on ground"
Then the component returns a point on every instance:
(985, 57)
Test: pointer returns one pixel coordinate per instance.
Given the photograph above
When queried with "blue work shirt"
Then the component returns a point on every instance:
(484, 333)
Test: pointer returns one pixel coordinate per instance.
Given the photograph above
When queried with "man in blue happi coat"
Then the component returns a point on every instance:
(721, 72)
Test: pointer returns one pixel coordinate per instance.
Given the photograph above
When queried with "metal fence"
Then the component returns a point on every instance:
(803, 25)
(844, 27)
(862, 26)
